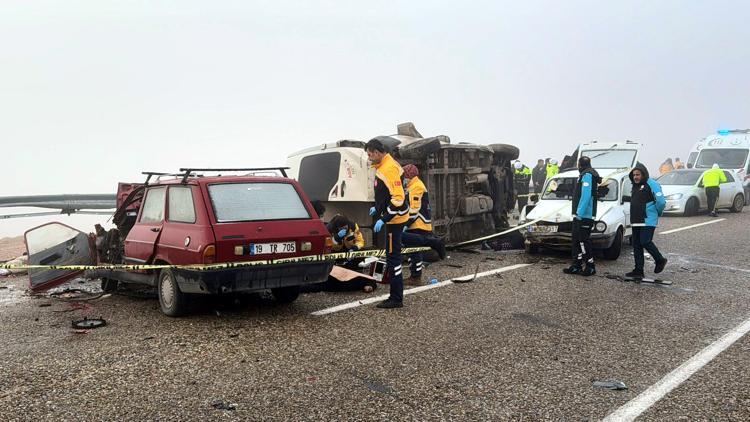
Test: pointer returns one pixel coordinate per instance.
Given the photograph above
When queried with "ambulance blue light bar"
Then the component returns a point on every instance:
(724, 132)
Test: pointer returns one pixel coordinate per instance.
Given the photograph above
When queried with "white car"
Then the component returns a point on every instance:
(685, 194)
(613, 162)
(554, 210)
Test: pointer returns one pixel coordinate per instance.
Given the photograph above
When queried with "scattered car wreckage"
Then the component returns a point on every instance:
(471, 185)
(191, 218)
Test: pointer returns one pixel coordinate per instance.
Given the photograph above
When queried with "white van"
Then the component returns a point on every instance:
(730, 149)
(554, 209)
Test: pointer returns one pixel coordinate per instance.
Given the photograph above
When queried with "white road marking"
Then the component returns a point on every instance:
(381, 298)
(653, 394)
(693, 226)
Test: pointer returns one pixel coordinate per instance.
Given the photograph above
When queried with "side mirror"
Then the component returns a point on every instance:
(625, 198)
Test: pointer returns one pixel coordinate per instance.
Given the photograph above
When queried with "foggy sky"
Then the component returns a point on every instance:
(94, 92)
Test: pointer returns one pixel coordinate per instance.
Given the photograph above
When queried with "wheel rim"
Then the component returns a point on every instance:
(738, 202)
(167, 291)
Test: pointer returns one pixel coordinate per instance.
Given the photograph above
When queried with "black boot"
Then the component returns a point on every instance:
(589, 270)
(573, 269)
(390, 304)
(637, 274)
(439, 247)
(660, 265)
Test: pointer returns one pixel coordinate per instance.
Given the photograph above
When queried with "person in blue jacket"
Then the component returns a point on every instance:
(585, 199)
(647, 203)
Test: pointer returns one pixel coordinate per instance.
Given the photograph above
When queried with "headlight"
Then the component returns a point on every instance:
(673, 196)
(600, 226)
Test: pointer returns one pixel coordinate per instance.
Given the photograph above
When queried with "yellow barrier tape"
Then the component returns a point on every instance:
(218, 266)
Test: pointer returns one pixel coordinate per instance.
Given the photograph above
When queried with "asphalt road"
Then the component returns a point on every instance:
(523, 344)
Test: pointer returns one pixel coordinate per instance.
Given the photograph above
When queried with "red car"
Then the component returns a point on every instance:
(191, 219)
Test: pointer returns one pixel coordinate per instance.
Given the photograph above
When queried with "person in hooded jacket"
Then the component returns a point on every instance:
(647, 203)
(585, 199)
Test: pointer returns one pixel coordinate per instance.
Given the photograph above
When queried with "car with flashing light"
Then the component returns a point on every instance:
(730, 149)
(195, 219)
(551, 216)
(686, 195)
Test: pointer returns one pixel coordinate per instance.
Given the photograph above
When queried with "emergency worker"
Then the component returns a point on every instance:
(521, 180)
(585, 199)
(418, 230)
(711, 181)
(539, 176)
(346, 234)
(552, 168)
(392, 211)
(647, 203)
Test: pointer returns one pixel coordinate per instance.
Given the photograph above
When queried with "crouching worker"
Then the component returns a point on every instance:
(345, 233)
(647, 203)
(345, 275)
(418, 230)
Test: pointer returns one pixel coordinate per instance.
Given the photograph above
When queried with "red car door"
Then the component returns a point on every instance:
(143, 237)
(186, 230)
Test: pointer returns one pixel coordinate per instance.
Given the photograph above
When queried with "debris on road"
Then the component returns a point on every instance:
(222, 405)
(88, 323)
(611, 385)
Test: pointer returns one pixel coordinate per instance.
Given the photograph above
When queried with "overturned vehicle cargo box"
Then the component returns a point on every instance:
(470, 185)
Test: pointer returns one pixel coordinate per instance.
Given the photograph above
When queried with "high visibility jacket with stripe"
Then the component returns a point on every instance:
(714, 177)
(419, 206)
(352, 240)
(390, 199)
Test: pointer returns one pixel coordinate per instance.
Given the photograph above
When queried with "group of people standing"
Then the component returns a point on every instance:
(402, 209)
(524, 178)
(647, 204)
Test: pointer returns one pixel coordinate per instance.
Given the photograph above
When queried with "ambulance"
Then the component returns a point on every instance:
(730, 149)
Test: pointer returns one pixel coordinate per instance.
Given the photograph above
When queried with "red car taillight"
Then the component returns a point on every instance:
(328, 245)
(209, 254)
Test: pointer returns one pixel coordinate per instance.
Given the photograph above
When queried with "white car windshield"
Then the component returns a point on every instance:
(610, 158)
(682, 178)
(563, 188)
(726, 158)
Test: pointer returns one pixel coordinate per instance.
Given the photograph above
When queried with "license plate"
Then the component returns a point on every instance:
(272, 248)
(542, 229)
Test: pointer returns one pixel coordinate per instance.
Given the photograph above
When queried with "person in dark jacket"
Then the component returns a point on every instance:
(539, 176)
(584, 210)
(647, 203)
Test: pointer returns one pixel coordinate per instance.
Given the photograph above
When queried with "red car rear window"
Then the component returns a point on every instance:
(235, 202)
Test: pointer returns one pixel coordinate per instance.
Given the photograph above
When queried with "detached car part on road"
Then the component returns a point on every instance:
(188, 219)
(470, 185)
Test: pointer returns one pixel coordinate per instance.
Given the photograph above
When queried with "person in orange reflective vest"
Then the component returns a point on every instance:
(392, 211)
(418, 230)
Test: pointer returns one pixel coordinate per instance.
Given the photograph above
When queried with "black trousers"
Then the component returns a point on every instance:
(712, 194)
(582, 246)
(523, 199)
(417, 238)
(393, 260)
(643, 239)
